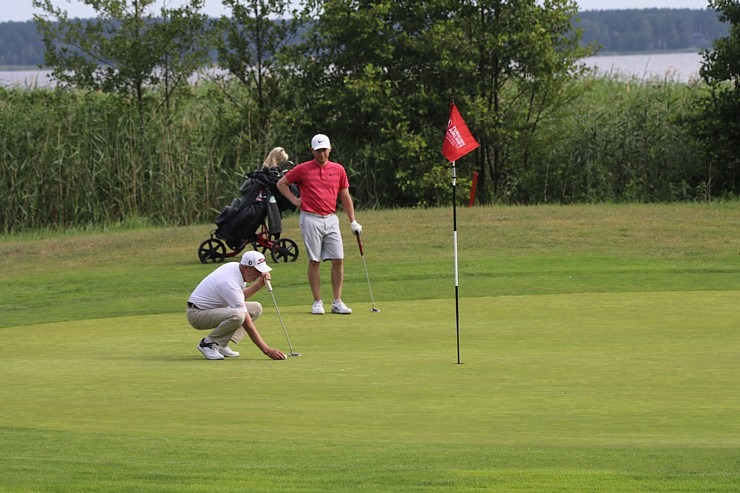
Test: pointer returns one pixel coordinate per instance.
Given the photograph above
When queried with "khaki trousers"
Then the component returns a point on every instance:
(225, 324)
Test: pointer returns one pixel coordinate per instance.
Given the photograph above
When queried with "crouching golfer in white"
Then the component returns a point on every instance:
(219, 304)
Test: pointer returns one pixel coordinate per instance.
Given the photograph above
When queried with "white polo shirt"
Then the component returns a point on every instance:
(222, 288)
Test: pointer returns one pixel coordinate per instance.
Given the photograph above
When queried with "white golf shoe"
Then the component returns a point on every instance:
(228, 352)
(210, 350)
(318, 308)
(338, 306)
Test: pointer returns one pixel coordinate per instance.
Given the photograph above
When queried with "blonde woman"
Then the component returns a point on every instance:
(275, 157)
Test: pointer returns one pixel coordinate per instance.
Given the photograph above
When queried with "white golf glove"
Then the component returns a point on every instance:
(356, 227)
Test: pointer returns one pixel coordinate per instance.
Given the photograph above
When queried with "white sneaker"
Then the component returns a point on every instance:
(318, 308)
(338, 306)
(209, 350)
(228, 352)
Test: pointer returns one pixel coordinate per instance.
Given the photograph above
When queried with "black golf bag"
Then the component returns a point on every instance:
(260, 202)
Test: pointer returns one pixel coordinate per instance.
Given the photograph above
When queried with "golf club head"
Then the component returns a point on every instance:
(294, 355)
(376, 310)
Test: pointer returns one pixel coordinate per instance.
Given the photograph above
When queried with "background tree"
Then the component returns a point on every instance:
(138, 60)
(527, 52)
(249, 42)
(125, 49)
(380, 76)
(717, 125)
(358, 83)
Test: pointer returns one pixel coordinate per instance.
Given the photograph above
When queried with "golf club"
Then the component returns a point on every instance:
(367, 276)
(269, 288)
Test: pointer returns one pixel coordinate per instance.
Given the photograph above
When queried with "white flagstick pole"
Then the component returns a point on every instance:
(454, 242)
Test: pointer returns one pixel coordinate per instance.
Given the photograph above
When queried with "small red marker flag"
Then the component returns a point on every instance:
(458, 140)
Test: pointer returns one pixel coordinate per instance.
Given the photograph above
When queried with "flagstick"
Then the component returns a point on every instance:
(458, 142)
(454, 242)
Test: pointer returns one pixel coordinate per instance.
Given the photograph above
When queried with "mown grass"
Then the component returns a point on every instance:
(503, 251)
(599, 345)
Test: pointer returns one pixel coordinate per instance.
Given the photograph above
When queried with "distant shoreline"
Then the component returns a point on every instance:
(698, 51)
(682, 66)
(19, 68)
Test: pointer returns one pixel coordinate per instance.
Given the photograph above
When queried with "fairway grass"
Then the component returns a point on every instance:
(617, 371)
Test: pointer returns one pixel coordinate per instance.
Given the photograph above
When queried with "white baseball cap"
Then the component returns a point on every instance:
(320, 141)
(255, 259)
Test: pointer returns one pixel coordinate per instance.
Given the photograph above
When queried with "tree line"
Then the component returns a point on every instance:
(124, 134)
(613, 30)
(626, 31)
(20, 45)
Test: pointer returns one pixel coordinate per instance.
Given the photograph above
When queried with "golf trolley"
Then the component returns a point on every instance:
(281, 249)
(245, 221)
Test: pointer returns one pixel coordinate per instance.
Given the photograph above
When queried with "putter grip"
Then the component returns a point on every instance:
(359, 243)
(268, 284)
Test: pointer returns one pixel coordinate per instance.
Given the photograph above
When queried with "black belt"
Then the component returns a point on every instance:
(193, 305)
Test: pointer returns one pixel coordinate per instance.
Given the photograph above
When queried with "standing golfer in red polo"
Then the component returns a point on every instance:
(321, 183)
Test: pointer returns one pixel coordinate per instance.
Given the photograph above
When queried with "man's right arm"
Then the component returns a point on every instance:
(284, 186)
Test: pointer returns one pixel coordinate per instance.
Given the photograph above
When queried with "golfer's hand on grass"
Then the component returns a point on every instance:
(275, 354)
(355, 227)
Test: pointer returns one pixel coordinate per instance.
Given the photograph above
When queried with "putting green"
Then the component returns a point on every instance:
(616, 369)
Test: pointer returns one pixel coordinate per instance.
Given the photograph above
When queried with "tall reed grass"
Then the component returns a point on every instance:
(621, 140)
(74, 159)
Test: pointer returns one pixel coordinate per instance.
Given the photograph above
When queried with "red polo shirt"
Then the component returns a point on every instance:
(319, 185)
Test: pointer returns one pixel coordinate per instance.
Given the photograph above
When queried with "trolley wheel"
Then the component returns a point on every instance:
(260, 247)
(284, 250)
(212, 250)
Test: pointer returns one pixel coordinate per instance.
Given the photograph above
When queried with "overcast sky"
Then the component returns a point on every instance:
(21, 10)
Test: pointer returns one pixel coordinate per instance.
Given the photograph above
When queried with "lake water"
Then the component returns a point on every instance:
(24, 78)
(682, 67)
(672, 66)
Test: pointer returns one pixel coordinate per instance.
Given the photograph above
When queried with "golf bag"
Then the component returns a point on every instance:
(260, 202)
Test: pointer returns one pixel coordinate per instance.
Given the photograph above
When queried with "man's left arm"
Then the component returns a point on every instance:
(349, 207)
(346, 200)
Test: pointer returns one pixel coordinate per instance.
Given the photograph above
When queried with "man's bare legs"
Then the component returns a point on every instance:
(337, 278)
(314, 279)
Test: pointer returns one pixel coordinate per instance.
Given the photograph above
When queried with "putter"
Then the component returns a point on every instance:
(367, 276)
(269, 288)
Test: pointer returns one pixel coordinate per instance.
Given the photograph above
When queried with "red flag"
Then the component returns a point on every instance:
(458, 141)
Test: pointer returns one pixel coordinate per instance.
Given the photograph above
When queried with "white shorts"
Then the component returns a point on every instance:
(321, 236)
